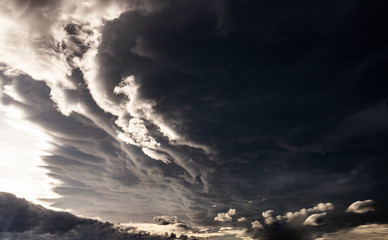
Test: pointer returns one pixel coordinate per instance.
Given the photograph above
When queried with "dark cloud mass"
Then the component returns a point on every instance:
(21, 219)
(186, 109)
(288, 95)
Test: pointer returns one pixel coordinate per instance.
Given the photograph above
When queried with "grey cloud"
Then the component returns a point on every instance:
(264, 99)
(165, 220)
(208, 113)
(83, 153)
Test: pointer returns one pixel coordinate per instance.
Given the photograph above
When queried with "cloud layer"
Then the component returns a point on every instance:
(20, 219)
(191, 108)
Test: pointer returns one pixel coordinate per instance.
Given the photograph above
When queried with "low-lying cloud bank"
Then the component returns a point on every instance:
(20, 219)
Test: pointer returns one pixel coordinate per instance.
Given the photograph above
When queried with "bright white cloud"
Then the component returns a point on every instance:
(361, 207)
(225, 217)
(141, 109)
(156, 155)
(31, 37)
(34, 41)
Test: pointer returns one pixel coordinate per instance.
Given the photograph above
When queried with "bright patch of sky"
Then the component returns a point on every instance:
(21, 172)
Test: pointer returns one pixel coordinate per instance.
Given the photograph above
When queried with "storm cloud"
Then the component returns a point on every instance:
(276, 110)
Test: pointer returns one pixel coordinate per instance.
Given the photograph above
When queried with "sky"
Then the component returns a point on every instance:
(193, 119)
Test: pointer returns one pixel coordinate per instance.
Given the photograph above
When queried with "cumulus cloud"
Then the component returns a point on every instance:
(361, 206)
(334, 224)
(302, 213)
(242, 219)
(225, 217)
(321, 207)
(315, 219)
(256, 224)
(268, 218)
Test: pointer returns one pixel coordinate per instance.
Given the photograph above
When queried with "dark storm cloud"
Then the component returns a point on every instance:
(84, 153)
(20, 219)
(290, 95)
(250, 105)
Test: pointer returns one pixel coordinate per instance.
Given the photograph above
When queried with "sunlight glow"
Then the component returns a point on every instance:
(21, 169)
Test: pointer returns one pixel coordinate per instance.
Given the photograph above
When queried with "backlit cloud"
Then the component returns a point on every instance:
(315, 219)
(361, 207)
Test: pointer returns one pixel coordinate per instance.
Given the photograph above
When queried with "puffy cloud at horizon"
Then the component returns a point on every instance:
(225, 217)
(159, 111)
(322, 221)
(269, 217)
